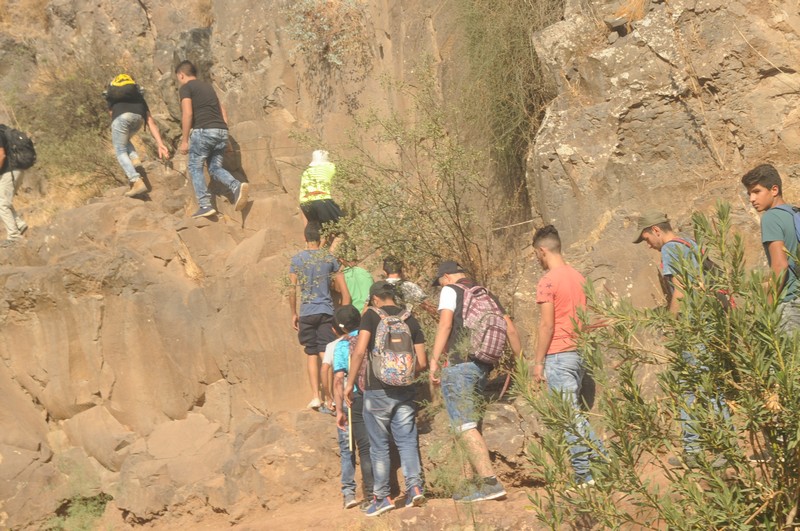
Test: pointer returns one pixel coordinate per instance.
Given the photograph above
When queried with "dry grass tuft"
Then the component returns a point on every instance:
(632, 11)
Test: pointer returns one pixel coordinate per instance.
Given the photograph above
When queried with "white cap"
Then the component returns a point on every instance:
(318, 157)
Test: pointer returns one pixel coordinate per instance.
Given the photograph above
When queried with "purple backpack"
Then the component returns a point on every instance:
(487, 326)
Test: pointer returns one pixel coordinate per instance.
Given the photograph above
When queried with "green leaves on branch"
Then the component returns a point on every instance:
(638, 362)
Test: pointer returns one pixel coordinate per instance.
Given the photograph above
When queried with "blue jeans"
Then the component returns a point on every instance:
(564, 373)
(689, 435)
(348, 458)
(394, 410)
(123, 128)
(462, 390)
(208, 146)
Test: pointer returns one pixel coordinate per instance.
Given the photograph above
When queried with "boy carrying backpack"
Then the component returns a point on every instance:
(473, 329)
(129, 111)
(16, 153)
(391, 340)
(350, 421)
(780, 240)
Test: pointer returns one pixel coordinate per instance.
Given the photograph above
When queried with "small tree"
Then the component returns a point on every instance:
(424, 196)
(743, 357)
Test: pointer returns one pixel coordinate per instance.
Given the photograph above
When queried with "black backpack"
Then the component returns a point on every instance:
(123, 89)
(19, 149)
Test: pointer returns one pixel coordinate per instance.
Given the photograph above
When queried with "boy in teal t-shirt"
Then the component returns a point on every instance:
(779, 238)
(347, 320)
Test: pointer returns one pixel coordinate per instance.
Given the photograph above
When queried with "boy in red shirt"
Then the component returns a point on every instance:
(559, 294)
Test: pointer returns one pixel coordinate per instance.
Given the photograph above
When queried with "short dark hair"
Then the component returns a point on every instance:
(347, 318)
(186, 67)
(664, 226)
(392, 266)
(311, 233)
(547, 236)
(764, 174)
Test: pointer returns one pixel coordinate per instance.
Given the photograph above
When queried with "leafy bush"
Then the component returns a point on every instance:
(69, 120)
(79, 513)
(333, 33)
(425, 197)
(503, 89)
(743, 356)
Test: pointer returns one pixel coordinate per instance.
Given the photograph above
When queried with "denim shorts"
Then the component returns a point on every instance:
(462, 389)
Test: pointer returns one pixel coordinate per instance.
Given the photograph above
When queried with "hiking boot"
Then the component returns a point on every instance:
(204, 212)
(380, 506)
(241, 197)
(316, 403)
(415, 497)
(137, 188)
(350, 501)
(364, 505)
(482, 493)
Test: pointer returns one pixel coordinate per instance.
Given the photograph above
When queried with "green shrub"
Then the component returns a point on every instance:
(425, 196)
(503, 89)
(749, 362)
(69, 120)
(79, 513)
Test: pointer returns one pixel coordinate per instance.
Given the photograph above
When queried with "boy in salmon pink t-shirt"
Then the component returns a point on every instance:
(559, 295)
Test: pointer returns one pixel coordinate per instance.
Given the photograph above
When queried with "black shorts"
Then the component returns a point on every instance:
(321, 211)
(315, 332)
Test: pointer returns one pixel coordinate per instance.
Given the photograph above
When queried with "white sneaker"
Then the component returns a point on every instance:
(314, 404)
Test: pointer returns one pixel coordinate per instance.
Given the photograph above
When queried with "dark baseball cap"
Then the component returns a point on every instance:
(449, 267)
(381, 288)
(647, 220)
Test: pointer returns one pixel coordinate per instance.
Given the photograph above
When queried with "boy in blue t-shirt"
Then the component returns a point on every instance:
(347, 320)
(778, 236)
(676, 254)
(312, 271)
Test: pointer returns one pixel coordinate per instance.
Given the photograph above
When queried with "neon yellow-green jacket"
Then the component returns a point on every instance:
(316, 182)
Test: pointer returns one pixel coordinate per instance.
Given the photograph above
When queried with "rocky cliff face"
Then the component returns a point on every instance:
(148, 356)
(145, 354)
(664, 112)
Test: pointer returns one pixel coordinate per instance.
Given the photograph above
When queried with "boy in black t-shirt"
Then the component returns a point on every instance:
(389, 408)
(205, 123)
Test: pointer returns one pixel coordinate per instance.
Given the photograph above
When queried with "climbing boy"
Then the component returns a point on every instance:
(779, 238)
(129, 111)
(204, 128)
(346, 320)
(389, 410)
(677, 253)
(312, 271)
(557, 361)
(464, 375)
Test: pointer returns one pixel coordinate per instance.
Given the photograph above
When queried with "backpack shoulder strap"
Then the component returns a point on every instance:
(382, 314)
(786, 208)
(404, 315)
(681, 240)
